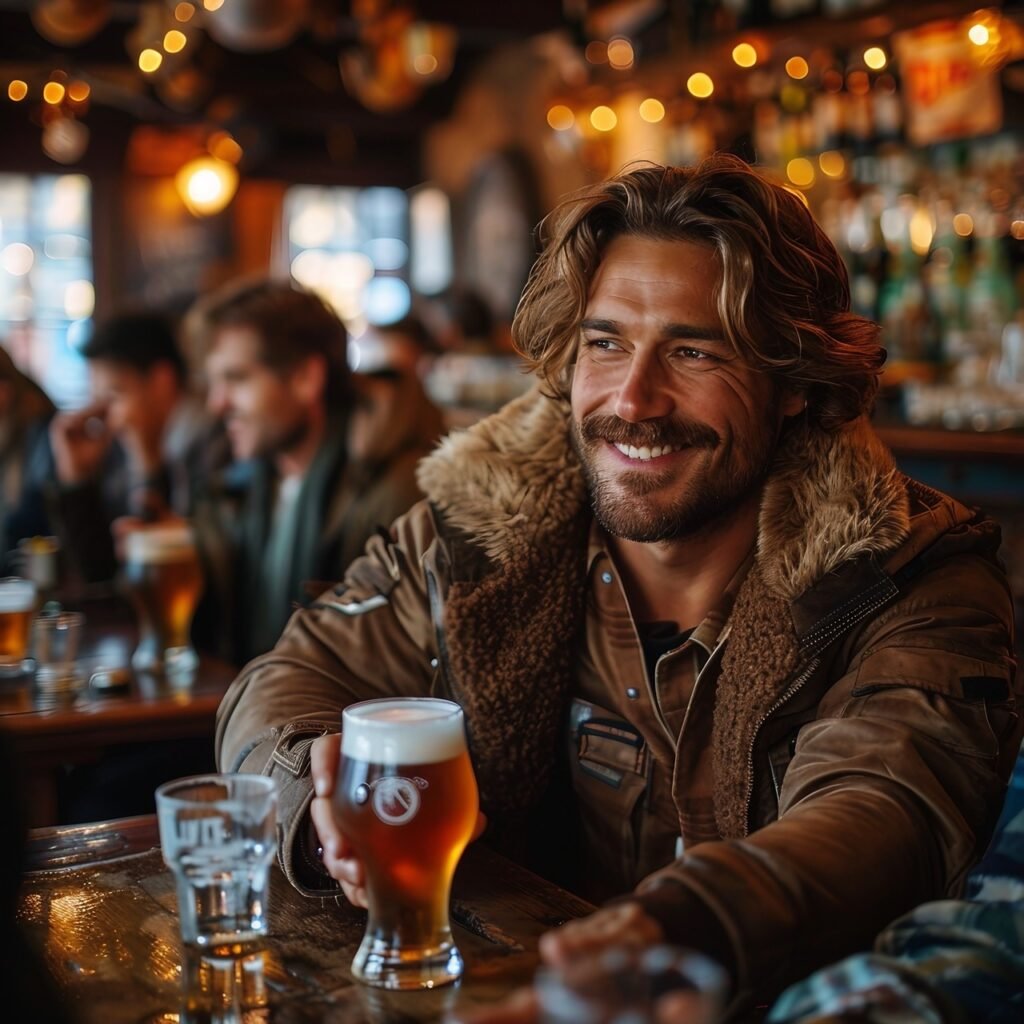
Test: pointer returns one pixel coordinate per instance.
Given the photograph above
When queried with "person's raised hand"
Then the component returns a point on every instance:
(79, 440)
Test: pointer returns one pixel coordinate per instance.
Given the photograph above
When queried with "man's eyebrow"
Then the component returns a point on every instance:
(602, 326)
(682, 332)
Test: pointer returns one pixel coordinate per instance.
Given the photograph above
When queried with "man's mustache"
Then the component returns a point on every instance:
(674, 433)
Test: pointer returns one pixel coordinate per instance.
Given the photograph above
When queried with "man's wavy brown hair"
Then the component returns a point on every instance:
(784, 297)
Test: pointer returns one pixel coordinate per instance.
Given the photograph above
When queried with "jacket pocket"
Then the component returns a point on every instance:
(610, 762)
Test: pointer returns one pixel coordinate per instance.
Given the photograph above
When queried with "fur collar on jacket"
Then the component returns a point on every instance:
(512, 481)
(513, 484)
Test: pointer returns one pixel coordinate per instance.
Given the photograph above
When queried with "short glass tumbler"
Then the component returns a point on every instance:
(218, 836)
(406, 800)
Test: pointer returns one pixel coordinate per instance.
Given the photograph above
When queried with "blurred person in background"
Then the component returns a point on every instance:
(301, 500)
(463, 322)
(140, 449)
(394, 423)
(25, 414)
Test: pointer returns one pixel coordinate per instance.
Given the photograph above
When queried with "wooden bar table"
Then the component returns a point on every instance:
(46, 732)
(100, 904)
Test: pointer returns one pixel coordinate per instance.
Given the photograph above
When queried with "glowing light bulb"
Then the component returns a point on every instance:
(796, 67)
(603, 118)
(652, 110)
(800, 171)
(174, 41)
(17, 90)
(561, 118)
(875, 58)
(744, 55)
(700, 85)
(978, 34)
(206, 185)
(150, 60)
(620, 53)
(53, 92)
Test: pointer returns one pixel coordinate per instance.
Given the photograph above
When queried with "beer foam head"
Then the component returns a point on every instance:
(403, 730)
(17, 595)
(155, 544)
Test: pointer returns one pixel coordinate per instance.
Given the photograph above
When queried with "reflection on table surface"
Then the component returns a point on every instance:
(101, 904)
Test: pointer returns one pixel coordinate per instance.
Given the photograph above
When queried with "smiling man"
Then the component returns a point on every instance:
(719, 659)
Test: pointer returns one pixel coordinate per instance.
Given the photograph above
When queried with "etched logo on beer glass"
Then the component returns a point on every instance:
(407, 801)
(218, 836)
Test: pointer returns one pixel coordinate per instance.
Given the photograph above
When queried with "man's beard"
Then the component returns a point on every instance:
(711, 494)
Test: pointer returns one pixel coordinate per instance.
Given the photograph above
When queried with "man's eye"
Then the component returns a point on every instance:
(602, 344)
(694, 354)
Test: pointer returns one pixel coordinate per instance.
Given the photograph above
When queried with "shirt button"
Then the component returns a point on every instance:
(632, 693)
(606, 577)
(433, 662)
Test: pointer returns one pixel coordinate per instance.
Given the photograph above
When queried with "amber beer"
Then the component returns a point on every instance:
(407, 802)
(164, 580)
(17, 606)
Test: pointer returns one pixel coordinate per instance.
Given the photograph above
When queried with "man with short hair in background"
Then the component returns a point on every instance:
(300, 502)
(140, 449)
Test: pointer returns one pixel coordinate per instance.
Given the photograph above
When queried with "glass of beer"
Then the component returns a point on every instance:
(17, 606)
(407, 802)
(164, 581)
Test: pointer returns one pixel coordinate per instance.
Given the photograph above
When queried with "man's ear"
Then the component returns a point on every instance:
(309, 379)
(163, 379)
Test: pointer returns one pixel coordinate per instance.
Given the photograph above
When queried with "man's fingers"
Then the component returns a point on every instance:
(323, 763)
(356, 895)
(626, 924)
(331, 839)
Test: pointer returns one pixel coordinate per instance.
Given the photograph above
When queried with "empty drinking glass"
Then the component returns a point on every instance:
(218, 836)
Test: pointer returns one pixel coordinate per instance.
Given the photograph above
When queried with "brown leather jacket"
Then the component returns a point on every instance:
(863, 706)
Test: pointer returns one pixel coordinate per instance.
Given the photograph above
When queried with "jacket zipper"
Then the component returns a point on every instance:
(790, 691)
(434, 596)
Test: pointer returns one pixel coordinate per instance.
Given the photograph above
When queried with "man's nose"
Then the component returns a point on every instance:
(642, 394)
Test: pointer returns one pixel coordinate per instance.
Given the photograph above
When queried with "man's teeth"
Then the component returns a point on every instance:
(645, 453)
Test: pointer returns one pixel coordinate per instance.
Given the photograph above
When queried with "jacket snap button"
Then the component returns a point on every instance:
(632, 693)
(606, 577)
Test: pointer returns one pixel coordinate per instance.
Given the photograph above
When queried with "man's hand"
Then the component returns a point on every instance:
(624, 925)
(578, 946)
(339, 858)
(79, 441)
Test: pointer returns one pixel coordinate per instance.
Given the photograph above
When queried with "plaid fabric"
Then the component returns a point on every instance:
(949, 962)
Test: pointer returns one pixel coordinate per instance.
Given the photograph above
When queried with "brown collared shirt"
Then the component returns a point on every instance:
(626, 736)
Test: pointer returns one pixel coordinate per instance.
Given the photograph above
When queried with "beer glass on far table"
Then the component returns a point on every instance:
(17, 606)
(164, 581)
(407, 802)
